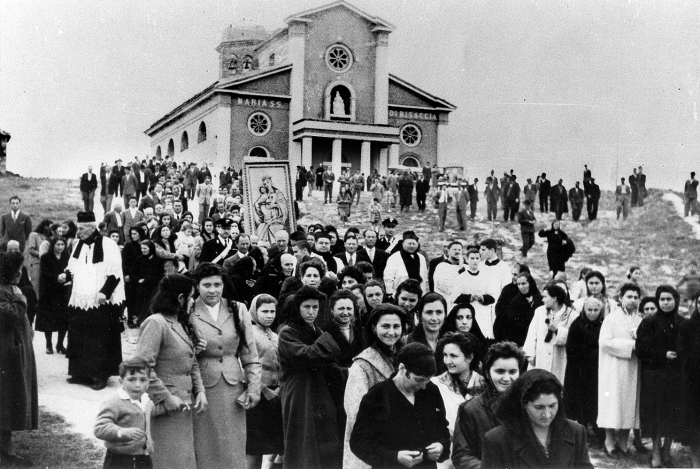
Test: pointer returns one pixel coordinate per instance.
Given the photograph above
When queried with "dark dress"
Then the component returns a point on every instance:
(581, 377)
(52, 313)
(308, 413)
(405, 192)
(559, 249)
(387, 423)
(150, 270)
(660, 408)
(689, 357)
(130, 253)
(517, 318)
(475, 418)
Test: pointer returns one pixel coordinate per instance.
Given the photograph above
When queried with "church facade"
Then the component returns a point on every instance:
(317, 91)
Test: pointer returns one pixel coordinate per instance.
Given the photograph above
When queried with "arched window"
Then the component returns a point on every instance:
(158, 153)
(260, 152)
(233, 62)
(247, 63)
(184, 142)
(271, 60)
(202, 133)
(171, 148)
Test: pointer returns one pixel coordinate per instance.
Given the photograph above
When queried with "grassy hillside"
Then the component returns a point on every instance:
(56, 199)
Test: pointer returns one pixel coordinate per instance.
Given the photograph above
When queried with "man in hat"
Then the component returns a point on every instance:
(222, 247)
(95, 306)
(492, 194)
(130, 216)
(406, 263)
(389, 243)
(462, 197)
(442, 199)
(511, 199)
(530, 192)
(88, 185)
(526, 219)
(545, 188)
(191, 180)
(576, 199)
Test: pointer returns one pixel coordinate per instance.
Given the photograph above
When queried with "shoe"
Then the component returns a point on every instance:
(623, 453)
(78, 380)
(99, 384)
(614, 454)
(652, 464)
(639, 447)
(49, 350)
(61, 349)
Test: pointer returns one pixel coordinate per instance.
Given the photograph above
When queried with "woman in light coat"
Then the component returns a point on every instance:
(385, 327)
(545, 345)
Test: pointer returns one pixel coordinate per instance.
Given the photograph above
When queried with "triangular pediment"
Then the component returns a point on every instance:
(403, 93)
(307, 15)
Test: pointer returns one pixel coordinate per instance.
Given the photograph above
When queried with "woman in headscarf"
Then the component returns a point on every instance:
(386, 324)
(581, 396)
(146, 273)
(521, 310)
(311, 437)
(534, 430)
(130, 254)
(503, 363)
(545, 345)
(660, 411)
(19, 408)
(688, 350)
(264, 431)
(559, 247)
(54, 295)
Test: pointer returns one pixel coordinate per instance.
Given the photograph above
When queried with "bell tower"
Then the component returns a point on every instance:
(237, 54)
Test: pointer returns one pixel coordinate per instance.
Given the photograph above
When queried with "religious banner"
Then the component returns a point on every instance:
(269, 199)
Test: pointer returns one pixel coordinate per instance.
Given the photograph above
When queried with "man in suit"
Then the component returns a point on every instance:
(492, 194)
(622, 199)
(299, 183)
(592, 199)
(422, 189)
(530, 191)
(225, 178)
(389, 242)
(350, 256)
(633, 187)
(442, 200)
(148, 201)
(131, 216)
(328, 179)
(690, 195)
(372, 254)
(191, 180)
(641, 186)
(143, 177)
(88, 185)
(576, 200)
(473, 198)
(462, 197)
(219, 249)
(526, 219)
(242, 242)
(559, 199)
(113, 220)
(120, 172)
(15, 226)
(512, 199)
(358, 183)
(281, 245)
(176, 214)
(129, 185)
(545, 188)
(205, 192)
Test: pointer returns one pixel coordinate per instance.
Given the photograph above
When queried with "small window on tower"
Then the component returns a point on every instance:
(247, 63)
(233, 63)
(271, 60)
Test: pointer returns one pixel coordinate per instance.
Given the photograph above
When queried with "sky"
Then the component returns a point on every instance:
(538, 85)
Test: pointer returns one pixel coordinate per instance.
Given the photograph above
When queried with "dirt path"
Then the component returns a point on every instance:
(679, 206)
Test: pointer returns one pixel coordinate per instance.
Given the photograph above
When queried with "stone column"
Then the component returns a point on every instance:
(365, 165)
(394, 154)
(306, 146)
(383, 162)
(381, 78)
(337, 160)
(296, 47)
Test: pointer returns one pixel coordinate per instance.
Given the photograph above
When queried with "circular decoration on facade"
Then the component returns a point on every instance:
(259, 124)
(338, 58)
(410, 135)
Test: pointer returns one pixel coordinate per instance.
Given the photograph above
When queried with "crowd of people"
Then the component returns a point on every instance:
(355, 351)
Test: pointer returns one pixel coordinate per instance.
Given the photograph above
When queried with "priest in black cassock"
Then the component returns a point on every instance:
(95, 307)
(219, 249)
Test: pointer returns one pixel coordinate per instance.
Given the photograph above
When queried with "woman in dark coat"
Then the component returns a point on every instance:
(130, 254)
(19, 408)
(54, 294)
(581, 377)
(503, 364)
(534, 431)
(406, 191)
(402, 419)
(660, 410)
(146, 273)
(520, 310)
(311, 439)
(559, 248)
(689, 357)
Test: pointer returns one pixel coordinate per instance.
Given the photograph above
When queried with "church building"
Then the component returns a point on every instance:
(316, 91)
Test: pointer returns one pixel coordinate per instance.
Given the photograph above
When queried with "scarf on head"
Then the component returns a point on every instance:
(98, 254)
(412, 263)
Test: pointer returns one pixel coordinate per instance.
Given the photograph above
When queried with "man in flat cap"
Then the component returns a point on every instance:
(95, 306)
(389, 243)
(406, 263)
(219, 249)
